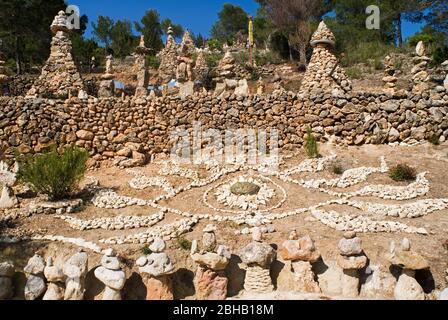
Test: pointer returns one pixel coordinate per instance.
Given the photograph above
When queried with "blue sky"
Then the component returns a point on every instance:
(195, 15)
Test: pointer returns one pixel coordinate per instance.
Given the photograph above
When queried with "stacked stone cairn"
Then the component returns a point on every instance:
(210, 280)
(56, 279)
(159, 268)
(420, 75)
(75, 270)
(201, 69)
(407, 288)
(4, 78)
(389, 79)
(6, 274)
(35, 285)
(227, 79)
(445, 68)
(184, 71)
(168, 59)
(141, 66)
(299, 255)
(7, 180)
(107, 84)
(257, 258)
(111, 275)
(351, 259)
(60, 77)
(324, 72)
(260, 86)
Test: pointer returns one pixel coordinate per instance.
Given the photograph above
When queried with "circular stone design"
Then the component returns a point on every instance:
(245, 188)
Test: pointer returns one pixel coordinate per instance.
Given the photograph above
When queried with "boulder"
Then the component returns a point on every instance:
(257, 253)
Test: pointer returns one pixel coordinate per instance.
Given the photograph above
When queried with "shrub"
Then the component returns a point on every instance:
(354, 73)
(402, 172)
(52, 173)
(153, 62)
(336, 167)
(268, 57)
(311, 144)
(435, 139)
(241, 58)
(213, 59)
(184, 243)
(214, 44)
(146, 250)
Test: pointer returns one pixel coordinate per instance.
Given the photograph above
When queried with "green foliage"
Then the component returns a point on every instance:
(214, 44)
(102, 30)
(52, 173)
(123, 41)
(184, 244)
(440, 55)
(364, 51)
(254, 74)
(336, 167)
(241, 58)
(402, 172)
(354, 73)
(151, 28)
(311, 144)
(435, 139)
(213, 59)
(398, 64)
(153, 62)
(267, 57)
(199, 40)
(232, 20)
(416, 38)
(178, 30)
(146, 251)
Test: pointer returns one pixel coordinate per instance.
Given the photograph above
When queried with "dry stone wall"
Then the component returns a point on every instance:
(107, 126)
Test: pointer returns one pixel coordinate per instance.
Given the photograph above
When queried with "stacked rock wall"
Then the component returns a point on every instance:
(105, 126)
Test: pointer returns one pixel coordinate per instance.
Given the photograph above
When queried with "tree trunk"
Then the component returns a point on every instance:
(399, 32)
(18, 55)
(290, 51)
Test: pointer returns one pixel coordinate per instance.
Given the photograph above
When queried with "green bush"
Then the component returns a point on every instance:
(241, 58)
(184, 243)
(146, 251)
(402, 172)
(439, 56)
(213, 59)
(52, 173)
(435, 139)
(336, 167)
(311, 144)
(354, 73)
(214, 44)
(153, 62)
(266, 58)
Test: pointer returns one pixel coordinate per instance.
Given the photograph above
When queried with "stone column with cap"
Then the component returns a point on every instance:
(158, 268)
(56, 279)
(168, 59)
(111, 274)
(75, 270)
(35, 286)
(351, 259)
(407, 288)
(389, 79)
(299, 255)
(257, 259)
(7, 272)
(107, 84)
(201, 69)
(141, 66)
(210, 280)
(420, 75)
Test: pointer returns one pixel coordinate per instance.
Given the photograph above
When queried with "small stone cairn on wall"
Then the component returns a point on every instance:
(257, 258)
(75, 270)
(389, 79)
(158, 267)
(210, 280)
(324, 72)
(141, 66)
(59, 77)
(107, 84)
(420, 75)
(35, 285)
(184, 71)
(299, 255)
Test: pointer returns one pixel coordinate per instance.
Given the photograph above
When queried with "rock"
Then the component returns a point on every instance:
(257, 235)
(55, 291)
(245, 188)
(349, 247)
(405, 244)
(7, 269)
(35, 287)
(85, 135)
(408, 288)
(186, 89)
(53, 273)
(211, 260)
(141, 261)
(76, 266)
(352, 262)
(6, 290)
(304, 277)
(111, 263)
(379, 284)
(158, 264)
(158, 245)
(224, 251)
(390, 106)
(110, 278)
(210, 285)
(7, 199)
(110, 294)
(138, 158)
(209, 241)
(409, 260)
(82, 95)
(350, 283)
(301, 249)
(257, 253)
(444, 295)
(330, 280)
(420, 49)
(160, 288)
(445, 83)
(243, 89)
(35, 266)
